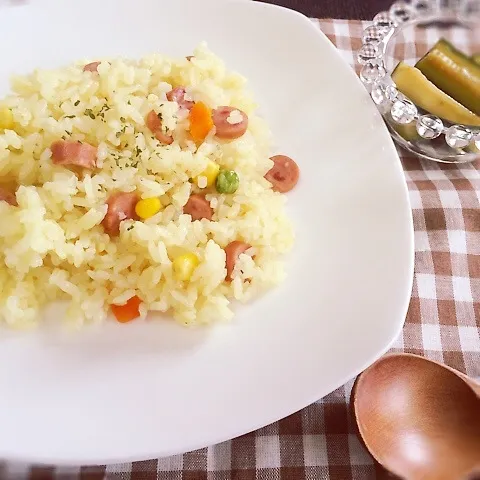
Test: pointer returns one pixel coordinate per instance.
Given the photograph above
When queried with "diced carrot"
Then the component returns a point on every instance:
(128, 312)
(200, 121)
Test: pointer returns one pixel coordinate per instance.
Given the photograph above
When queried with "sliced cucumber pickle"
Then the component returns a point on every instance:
(454, 73)
(421, 91)
(407, 132)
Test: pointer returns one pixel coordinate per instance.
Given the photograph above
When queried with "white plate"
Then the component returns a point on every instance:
(137, 391)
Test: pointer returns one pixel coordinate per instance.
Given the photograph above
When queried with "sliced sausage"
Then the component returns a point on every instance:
(284, 174)
(9, 197)
(198, 207)
(232, 251)
(155, 126)
(74, 153)
(121, 206)
(163, 137)
(178, 95)
(230, 123)
(91, 67)
(153, 121)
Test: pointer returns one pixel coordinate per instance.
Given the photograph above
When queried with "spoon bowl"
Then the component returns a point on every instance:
(418, 418)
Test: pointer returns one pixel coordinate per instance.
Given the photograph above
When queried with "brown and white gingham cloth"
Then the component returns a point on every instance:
(443, 323)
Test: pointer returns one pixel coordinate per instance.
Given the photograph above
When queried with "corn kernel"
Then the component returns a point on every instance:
(210, 173)
(184, 265)
(6, 119)
(148, 207)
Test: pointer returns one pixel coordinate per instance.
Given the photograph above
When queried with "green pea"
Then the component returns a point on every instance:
(227, 181)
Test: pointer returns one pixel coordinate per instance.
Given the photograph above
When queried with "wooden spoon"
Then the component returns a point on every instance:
(418, 418)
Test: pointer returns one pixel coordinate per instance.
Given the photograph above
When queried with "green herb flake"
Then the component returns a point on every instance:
(122, 119)
(90, 113)
(70, 116)
(130, 228)
(77, 103)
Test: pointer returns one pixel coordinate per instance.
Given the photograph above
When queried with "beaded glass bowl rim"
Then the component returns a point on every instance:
(376, 40)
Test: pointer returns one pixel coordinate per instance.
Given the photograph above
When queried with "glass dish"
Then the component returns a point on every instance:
(406, 33)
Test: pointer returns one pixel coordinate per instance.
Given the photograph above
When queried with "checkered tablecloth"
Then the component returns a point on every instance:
(443, 323)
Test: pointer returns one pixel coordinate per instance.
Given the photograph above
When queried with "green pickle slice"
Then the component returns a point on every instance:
(421, 91)
(454, 73)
